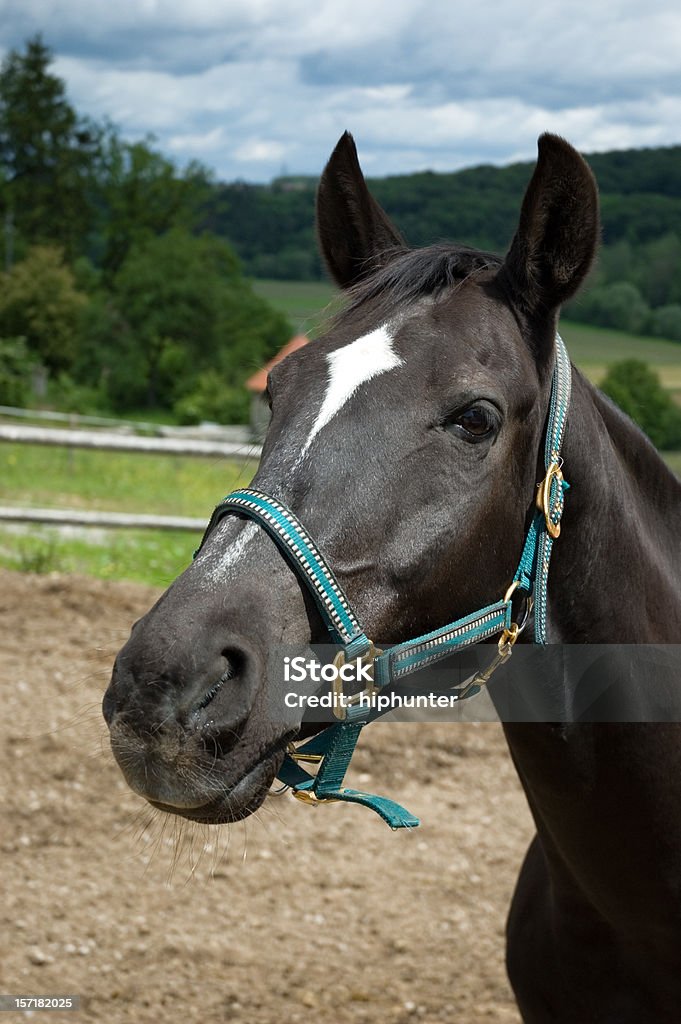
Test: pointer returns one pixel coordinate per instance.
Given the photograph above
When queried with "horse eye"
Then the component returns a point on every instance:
(474, 423)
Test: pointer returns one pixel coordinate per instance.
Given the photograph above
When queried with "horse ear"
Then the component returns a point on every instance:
(558, 232)
(354, 232)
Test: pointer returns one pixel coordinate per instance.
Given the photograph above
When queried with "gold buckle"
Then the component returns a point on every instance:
(307, 797)
(302, 758)
(504, 651)
(554, 472)
(368, 658)
(504, 647)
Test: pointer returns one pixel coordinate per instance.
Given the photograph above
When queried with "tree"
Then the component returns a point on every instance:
(665, 322)
(617, 305)
(638, 392)
(47, 154)
(657, 271)
(213, 400)
(142, 196)
(16, 368)
(187, 309)
(39, 302)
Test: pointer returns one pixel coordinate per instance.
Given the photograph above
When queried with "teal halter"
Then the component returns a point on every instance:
(333, 748)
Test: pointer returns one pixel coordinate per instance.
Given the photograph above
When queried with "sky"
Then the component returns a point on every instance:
(258, 88)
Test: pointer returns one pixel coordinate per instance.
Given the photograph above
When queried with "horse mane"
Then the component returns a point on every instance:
(406, 275)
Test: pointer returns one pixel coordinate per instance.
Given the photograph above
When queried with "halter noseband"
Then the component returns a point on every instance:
(333, 748)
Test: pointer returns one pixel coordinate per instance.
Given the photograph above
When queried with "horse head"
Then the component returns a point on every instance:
(407, 439)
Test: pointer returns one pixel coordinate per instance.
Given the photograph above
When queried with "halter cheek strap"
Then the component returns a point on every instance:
(333, 748)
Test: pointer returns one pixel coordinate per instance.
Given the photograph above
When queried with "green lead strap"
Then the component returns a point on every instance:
(334, 747)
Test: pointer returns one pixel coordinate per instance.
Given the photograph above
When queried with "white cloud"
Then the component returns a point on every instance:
(260, 151)
(198, 142)
(247, 84)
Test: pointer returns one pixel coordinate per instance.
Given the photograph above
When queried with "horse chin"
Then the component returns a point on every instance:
(242, 800)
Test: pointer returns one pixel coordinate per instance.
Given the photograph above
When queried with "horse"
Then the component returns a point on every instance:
(408, 439)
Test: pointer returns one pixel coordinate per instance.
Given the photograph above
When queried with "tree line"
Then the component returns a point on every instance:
(124, 279)
(636, 285)
(111, 285)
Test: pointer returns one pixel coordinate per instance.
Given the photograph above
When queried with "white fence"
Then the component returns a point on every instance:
(238, 433)
(127, 443)
(101, 441)
(105, 520)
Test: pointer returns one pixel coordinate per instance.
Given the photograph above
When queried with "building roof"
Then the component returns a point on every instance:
(258, 382)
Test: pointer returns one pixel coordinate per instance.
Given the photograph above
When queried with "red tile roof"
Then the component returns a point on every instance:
(258, 382)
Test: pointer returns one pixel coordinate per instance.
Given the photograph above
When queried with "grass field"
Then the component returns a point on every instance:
(308, 303)
(118, 482)
(673, 459)
(593, 349)
(36, 476)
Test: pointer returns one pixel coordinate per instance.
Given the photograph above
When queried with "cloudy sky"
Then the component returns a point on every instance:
(254, 88)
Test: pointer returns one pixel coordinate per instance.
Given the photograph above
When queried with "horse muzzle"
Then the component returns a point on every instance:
(185, 735)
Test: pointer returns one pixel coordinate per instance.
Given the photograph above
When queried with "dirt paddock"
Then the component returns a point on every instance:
(298, 914)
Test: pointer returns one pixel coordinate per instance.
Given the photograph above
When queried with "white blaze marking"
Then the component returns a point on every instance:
(350, 366)
(219, 571)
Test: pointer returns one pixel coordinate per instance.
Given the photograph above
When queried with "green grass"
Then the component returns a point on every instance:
(148, 556)
(123, 482)
(118, 482)
(307, 304)
(673, 460)
(593, 349)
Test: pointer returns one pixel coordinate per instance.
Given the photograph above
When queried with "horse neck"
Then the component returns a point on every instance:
(616, 566)
(614, 581)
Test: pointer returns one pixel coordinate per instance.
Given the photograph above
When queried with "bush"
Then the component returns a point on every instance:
(213, 400)
(16, 369)
(188, 311)
(638, 392)
(619, 305)
(68, 396)
(40, 302)
(665, 322)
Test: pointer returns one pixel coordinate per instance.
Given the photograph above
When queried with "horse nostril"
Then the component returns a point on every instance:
(234, 669)
(236, 661)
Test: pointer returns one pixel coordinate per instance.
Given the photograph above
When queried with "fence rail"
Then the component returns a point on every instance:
(105, 520)
(102, 441)
(239, 433)
(95, 439)
(76, 418)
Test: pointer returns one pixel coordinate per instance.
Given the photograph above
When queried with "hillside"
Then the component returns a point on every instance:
(271, 226)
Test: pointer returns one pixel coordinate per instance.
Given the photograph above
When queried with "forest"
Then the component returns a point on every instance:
(113, 294)
(125, 280)
(636, 285)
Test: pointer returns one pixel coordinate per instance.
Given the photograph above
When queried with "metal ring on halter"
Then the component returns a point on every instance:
(529, 602)
(544, 505)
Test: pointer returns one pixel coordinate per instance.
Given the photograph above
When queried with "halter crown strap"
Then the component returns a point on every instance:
(532, 574)
(333, 748)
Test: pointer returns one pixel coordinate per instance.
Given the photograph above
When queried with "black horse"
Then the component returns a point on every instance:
(408, 441)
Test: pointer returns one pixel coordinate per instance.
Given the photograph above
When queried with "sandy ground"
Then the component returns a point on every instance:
(298, 914)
